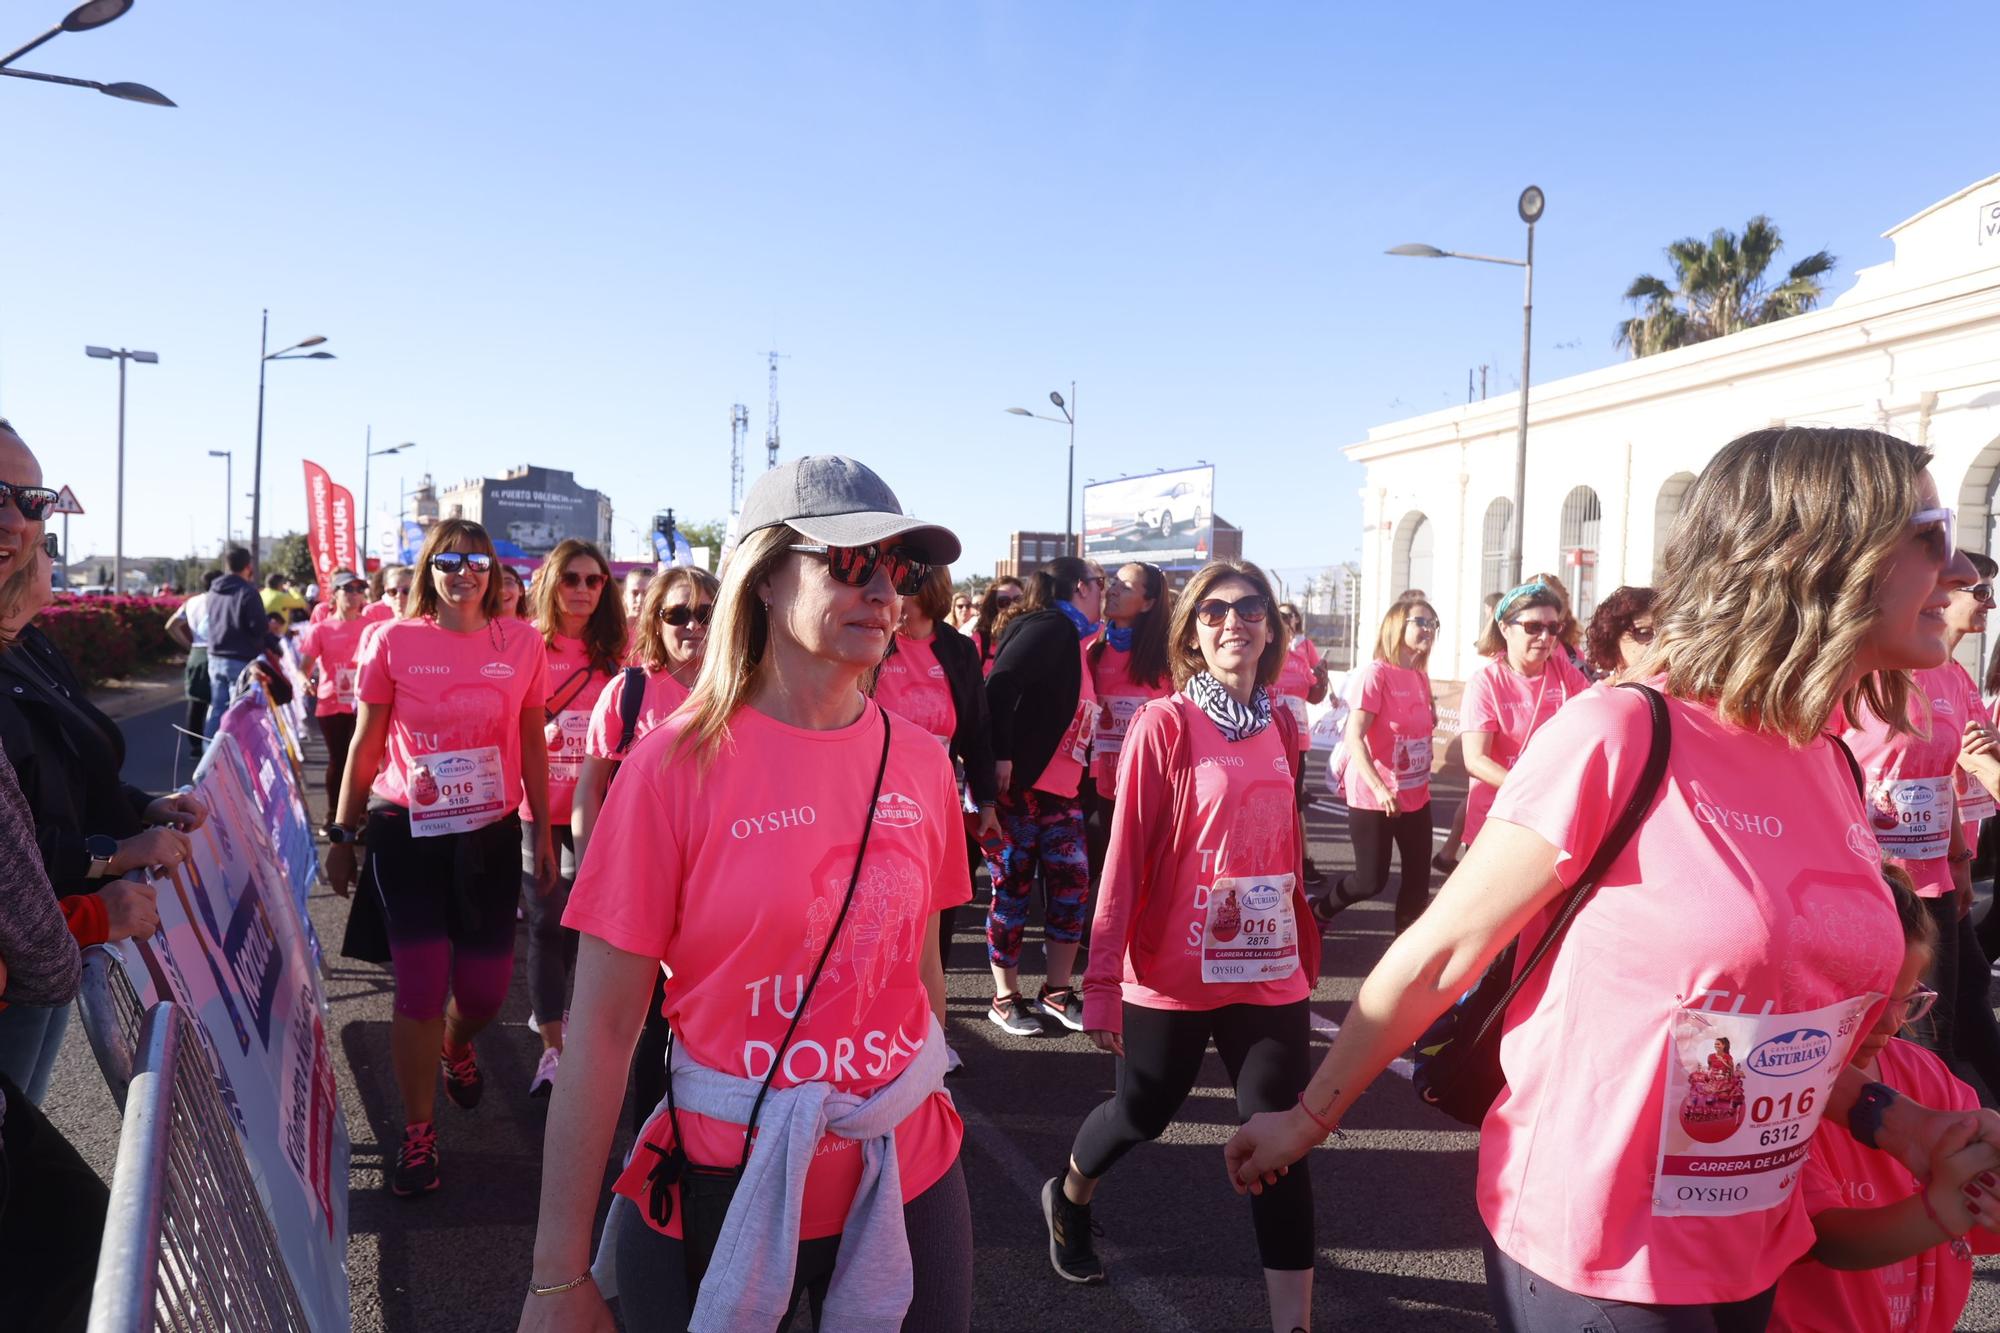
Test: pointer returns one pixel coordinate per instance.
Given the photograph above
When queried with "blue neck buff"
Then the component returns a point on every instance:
(1119, 637)
(1085, 627)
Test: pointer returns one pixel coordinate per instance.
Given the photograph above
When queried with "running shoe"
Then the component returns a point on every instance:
(1313, 875)
(462, 1080)
(1445, 863)
(1010, 1013)
(544, 1080)
(416, 1162)
(1072, 1247)
(1065, 1006)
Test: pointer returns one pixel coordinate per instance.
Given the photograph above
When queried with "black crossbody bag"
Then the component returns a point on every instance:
(706, 1191)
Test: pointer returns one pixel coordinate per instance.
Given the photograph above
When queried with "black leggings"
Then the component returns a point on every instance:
(1372, 832)
(652, 1268)
(1961, 1029)
(1265, 1048)
(337, 730)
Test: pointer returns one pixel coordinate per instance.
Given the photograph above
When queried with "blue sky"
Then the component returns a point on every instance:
(566, 234)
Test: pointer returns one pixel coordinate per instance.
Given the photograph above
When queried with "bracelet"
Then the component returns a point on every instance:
(1960, 1249)
(560, 1287)
(1327, 1127)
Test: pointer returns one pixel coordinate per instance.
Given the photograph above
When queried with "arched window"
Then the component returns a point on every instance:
(1667, 510)
(1411, 565)
(1496, 548)
(1979, 530)
(1582, 519)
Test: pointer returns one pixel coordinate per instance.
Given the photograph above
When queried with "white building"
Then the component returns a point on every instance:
(1913, 348)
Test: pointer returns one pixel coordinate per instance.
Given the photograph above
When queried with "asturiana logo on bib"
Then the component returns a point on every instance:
(497, 671)
(897, 810)
(1791, 1053)
(453, 766)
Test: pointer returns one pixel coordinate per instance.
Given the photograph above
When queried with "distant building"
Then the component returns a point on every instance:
(527, 510)
(1029, 551)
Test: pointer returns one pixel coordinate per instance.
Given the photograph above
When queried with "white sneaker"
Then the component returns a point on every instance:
(545, 1073)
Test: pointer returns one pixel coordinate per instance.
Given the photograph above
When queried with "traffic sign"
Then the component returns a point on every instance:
(66, 502)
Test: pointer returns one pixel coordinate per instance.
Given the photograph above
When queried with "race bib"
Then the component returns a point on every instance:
(1413, 762)
(1251, 933)
(1745, 1093)
(1076, 741)
(1912, 817)
(455, 791)
(1300, 713)
(1112, 719)
(344, 679)
(1974, 801)
(566, 737)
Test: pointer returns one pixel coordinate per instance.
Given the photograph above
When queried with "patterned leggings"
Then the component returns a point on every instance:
(1037, 829)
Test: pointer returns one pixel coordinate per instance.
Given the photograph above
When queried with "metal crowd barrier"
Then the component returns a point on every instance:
(111, 1012)
(187, 1245)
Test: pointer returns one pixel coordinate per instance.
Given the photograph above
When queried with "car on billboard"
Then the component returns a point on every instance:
(1174, 506)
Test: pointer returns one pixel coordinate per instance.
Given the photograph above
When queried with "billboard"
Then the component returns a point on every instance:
(529, 513)
(1165, 518)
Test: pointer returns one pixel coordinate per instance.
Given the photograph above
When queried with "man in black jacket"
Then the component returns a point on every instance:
(238, 632)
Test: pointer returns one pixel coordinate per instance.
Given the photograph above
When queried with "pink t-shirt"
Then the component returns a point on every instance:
(574, 686)
(1659, 1065)
(1063, 776)
(1400, 738)
(607, 721)
(733, 878)
(452, 694)
(335, 643)
(911, 685)
(1513, 707)
(1922, 1294)
(1912, 778)
(321, 611)
(382, 610)
(1184, 914)
(1295, 683)
(1975, 803)
(1118, 698)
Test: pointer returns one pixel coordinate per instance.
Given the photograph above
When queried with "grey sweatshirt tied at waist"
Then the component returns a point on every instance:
(749, 1282)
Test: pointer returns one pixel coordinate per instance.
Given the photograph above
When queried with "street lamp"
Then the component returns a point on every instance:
(1069, 487)
(1530, 207)
(228, 457)
(264, 358)
(367, 463)
(90, 14)
(121, 356)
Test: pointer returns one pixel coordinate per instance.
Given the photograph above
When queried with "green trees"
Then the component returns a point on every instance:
(1719, 288)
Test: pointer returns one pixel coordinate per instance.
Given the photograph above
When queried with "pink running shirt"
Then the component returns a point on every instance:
(336, 643)
(1513, 707)
(1295, 683)
(1063, 776)
(574, 686)
(1912, 778)
(911, 685)
(733, 879)
(1118, 697)
(1400, 739)
(452, 692)
(382, 610)
(1725, 966)
(1975, 803)
(607, 725)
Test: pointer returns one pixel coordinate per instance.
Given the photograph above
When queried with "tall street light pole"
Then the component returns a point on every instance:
(121, 355)
(264, 358)
(1068, 417)
(228, 457)
(367, 465)
(1530, 207)
(90, 14)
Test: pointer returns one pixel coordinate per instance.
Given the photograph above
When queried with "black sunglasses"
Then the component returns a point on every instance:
(855, 566)
(450, 562)
(680, 617)
(53, 545)
(1250, 610)
(1534, 629)
(588, 582)
(34, 502)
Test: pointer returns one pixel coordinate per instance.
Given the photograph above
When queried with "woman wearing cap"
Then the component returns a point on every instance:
(1043, 706)
(783, 846)
(447, 739)
(332, 645)
(583, 627)
(1805, 579)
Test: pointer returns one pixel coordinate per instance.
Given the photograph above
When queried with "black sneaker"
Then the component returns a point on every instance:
(416, 1162)
(462, 1080)
(1065, 1006)
(1445, 863)
(1072, 1243)
(1010, 1013)
(1313, 875)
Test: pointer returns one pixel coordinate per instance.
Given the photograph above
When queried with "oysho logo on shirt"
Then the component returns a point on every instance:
(897, 810)
(497, 671)
(773, 821)
(427, 669)
(1736, 821)
(1219, 761)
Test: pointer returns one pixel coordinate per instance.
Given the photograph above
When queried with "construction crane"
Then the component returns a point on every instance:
(771, 431)
(739, 430)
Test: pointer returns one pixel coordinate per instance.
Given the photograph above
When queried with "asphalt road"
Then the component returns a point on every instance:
(1397, 1230)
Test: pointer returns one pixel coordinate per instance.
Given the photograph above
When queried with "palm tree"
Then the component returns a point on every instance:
(1719, 289)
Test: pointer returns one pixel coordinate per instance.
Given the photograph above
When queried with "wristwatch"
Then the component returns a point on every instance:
(340, 833)
(1864, 1118)
(101, 847)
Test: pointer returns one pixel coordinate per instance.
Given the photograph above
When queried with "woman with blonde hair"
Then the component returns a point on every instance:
(1805, 581)
(1388, 778)
(783, 846)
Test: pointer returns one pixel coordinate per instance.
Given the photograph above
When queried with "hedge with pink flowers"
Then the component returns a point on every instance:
(107, 637)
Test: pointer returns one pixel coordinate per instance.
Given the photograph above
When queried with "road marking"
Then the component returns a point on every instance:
(1151, 1304)
(1400, 1067)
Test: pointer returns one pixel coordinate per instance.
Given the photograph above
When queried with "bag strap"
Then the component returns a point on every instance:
(550, 714)
(631, 703)
(1853, 766)
(1648, 787)
(805, 996)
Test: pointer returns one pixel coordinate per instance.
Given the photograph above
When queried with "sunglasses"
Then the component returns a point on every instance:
(1251, 610)
(52, 545)
(1637, 635)
(588, 582)
(450, 562)
(356, 586)
(1534, 629)
(680, 617)
(34, 502)
(855, 566)
(1942, 539)
(1982, 593)
(1424, 623)
(1007, 599)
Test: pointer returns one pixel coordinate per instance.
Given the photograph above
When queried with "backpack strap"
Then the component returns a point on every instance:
(631, 702)
(1853, 766)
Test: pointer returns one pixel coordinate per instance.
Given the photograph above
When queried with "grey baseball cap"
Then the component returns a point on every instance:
(840, 502)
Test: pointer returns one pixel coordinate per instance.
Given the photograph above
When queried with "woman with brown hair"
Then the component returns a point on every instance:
(1806, 580)
(1128, 665)
(448, 741)
(995, 605)
(1525, 678)
(1621, 630)
(577, 613)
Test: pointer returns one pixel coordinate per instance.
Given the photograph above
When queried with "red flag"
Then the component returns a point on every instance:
(319, 519)
(346, 554)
